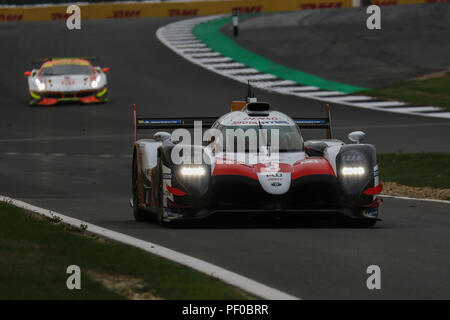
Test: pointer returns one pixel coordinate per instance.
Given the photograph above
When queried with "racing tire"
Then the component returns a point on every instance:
(139, 214)
(161, 210)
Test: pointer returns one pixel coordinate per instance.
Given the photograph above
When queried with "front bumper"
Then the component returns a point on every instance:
(315, 195)
(51, 98)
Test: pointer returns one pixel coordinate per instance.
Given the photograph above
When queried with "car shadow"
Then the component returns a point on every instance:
(253, 222)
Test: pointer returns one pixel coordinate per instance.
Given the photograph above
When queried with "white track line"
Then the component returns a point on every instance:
(196, 50)
(210, 54)
(231, 64)
(445, 115)
(378, 104)
(178, 36)
(210, 269)
(328, 93)
(351, 98)
(416, 109)
(215, 60)
(294, 90)
(257, 77)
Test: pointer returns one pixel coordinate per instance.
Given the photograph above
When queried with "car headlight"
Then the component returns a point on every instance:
(40, 85)
(94, 84)
(353, 171)
(192, 171)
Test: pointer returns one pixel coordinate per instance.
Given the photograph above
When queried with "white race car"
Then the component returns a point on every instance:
(67, 79)
(279, 173)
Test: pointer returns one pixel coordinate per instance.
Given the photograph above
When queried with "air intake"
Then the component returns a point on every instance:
(257, 109)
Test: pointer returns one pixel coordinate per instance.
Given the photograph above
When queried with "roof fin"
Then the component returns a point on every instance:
(250, 95)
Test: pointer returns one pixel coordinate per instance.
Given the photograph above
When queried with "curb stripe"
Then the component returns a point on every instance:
(224, 54)
(210, 269)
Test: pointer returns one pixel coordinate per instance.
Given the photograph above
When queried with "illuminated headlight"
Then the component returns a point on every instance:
(353, 171)
(192, 171)
(40, 85)
(94, 84)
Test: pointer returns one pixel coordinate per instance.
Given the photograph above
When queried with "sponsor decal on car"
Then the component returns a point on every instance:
(167, 175)
(159, 121)
(375, 171)
(276, 184)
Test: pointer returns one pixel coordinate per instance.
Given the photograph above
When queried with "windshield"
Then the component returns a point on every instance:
(252, 138)
(63, 69)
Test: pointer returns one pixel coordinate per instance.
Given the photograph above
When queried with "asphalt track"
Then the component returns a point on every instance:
(410, 43)
(76, 160)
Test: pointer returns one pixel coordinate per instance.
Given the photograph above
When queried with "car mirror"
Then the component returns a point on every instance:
(27, 73)
(356, 136)
(162, 136)
(105, 70)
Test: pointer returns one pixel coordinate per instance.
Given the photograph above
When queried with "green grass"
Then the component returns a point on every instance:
(430, 92)
(416, 169)
(35, 254)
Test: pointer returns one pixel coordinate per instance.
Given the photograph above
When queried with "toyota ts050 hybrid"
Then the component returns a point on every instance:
(280, 174)
(67, 79)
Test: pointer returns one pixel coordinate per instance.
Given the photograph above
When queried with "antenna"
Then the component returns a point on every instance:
(250, 95)
(329, 130)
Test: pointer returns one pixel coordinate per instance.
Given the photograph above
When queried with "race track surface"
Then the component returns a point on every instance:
(76, 160)
(335, 44)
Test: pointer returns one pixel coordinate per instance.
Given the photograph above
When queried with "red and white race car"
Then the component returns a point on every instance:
(67, 79)
(252, 160)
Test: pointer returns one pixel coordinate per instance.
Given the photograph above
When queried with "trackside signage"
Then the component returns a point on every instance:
(175, 9)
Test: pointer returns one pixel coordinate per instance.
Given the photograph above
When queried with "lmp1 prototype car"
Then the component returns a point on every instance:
(279, 173)
(67, 79)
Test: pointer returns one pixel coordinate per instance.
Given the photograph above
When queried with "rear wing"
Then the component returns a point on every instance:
(317, 123)
(169, 123)
(37, 63)
(207, 122)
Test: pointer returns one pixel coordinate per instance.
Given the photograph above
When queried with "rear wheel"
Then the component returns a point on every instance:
(139, 214)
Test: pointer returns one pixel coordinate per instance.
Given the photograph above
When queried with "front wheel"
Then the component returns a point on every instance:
(161, 212)
(139, 214)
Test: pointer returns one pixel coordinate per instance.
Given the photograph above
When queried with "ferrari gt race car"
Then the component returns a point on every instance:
(67, 79)
(279, 173)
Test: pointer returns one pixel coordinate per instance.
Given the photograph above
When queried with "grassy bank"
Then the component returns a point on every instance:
(432, 91)
(35, 253)
(416, 169)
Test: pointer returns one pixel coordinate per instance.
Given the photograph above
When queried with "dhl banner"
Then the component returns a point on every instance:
(166, 9)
